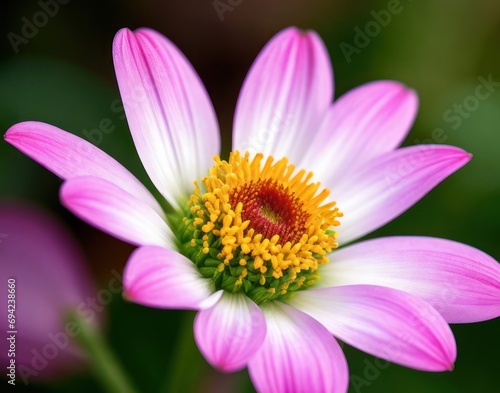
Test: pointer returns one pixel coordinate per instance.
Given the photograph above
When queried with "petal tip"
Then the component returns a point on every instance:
(123, 32)
(24, 131)
(127, 296)
(411, 94)
(122, 36)
(448, 357)
(292, 30)
(65, 194)
(13, 131)
(449, 360)
(463, 156)
(402, 92)
(295, 33)
(453, 154)
(226, 367)
(447, 365)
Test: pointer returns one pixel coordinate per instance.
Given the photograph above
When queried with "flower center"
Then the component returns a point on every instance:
(271, 210)
(258, 227)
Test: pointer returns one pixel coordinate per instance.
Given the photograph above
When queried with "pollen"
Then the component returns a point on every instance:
(258, 226)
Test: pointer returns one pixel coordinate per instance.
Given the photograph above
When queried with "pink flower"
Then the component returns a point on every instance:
(251, 244)
(47, 277)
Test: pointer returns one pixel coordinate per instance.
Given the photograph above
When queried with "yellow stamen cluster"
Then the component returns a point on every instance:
(243, 212)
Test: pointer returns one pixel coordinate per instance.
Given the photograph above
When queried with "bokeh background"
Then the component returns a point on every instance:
(64, 75)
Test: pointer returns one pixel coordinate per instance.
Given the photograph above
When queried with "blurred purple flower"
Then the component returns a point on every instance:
(47, 266)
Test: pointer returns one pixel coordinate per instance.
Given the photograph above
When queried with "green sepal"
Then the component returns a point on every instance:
(211, 262)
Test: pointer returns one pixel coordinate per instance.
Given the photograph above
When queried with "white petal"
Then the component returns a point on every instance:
(285, 96)
(366, 122)
(170, 115)
(388, 185)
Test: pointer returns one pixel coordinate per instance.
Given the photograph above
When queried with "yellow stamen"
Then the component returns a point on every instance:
(266, 217)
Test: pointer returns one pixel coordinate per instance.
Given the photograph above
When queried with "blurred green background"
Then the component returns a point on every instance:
(64, 75)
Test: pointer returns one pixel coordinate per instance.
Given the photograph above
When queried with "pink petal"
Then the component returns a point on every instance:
(388, 185)
(384, 322)
(230, 332)
(170, 115)
(69, 156)
(298, 355)
(157, 277)
(366, 122)
(115, 211)
(285, 96)
(461, 282)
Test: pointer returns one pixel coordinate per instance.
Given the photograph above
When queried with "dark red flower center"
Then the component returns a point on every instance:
(272, 210)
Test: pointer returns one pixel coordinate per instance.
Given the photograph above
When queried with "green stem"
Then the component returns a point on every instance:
(104, 363)
(186, 361)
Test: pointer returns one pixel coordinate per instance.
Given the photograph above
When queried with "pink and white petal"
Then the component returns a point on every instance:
(366, 122)
(285, 96)
(388, 185)
(231, 332)
(459, 281)
(169, 112)
(157, 277)
(383, 322)
(69, 156)
(298, 355)
(115, 211)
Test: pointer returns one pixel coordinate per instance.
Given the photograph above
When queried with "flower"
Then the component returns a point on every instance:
(47, 278)
(251, 241)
